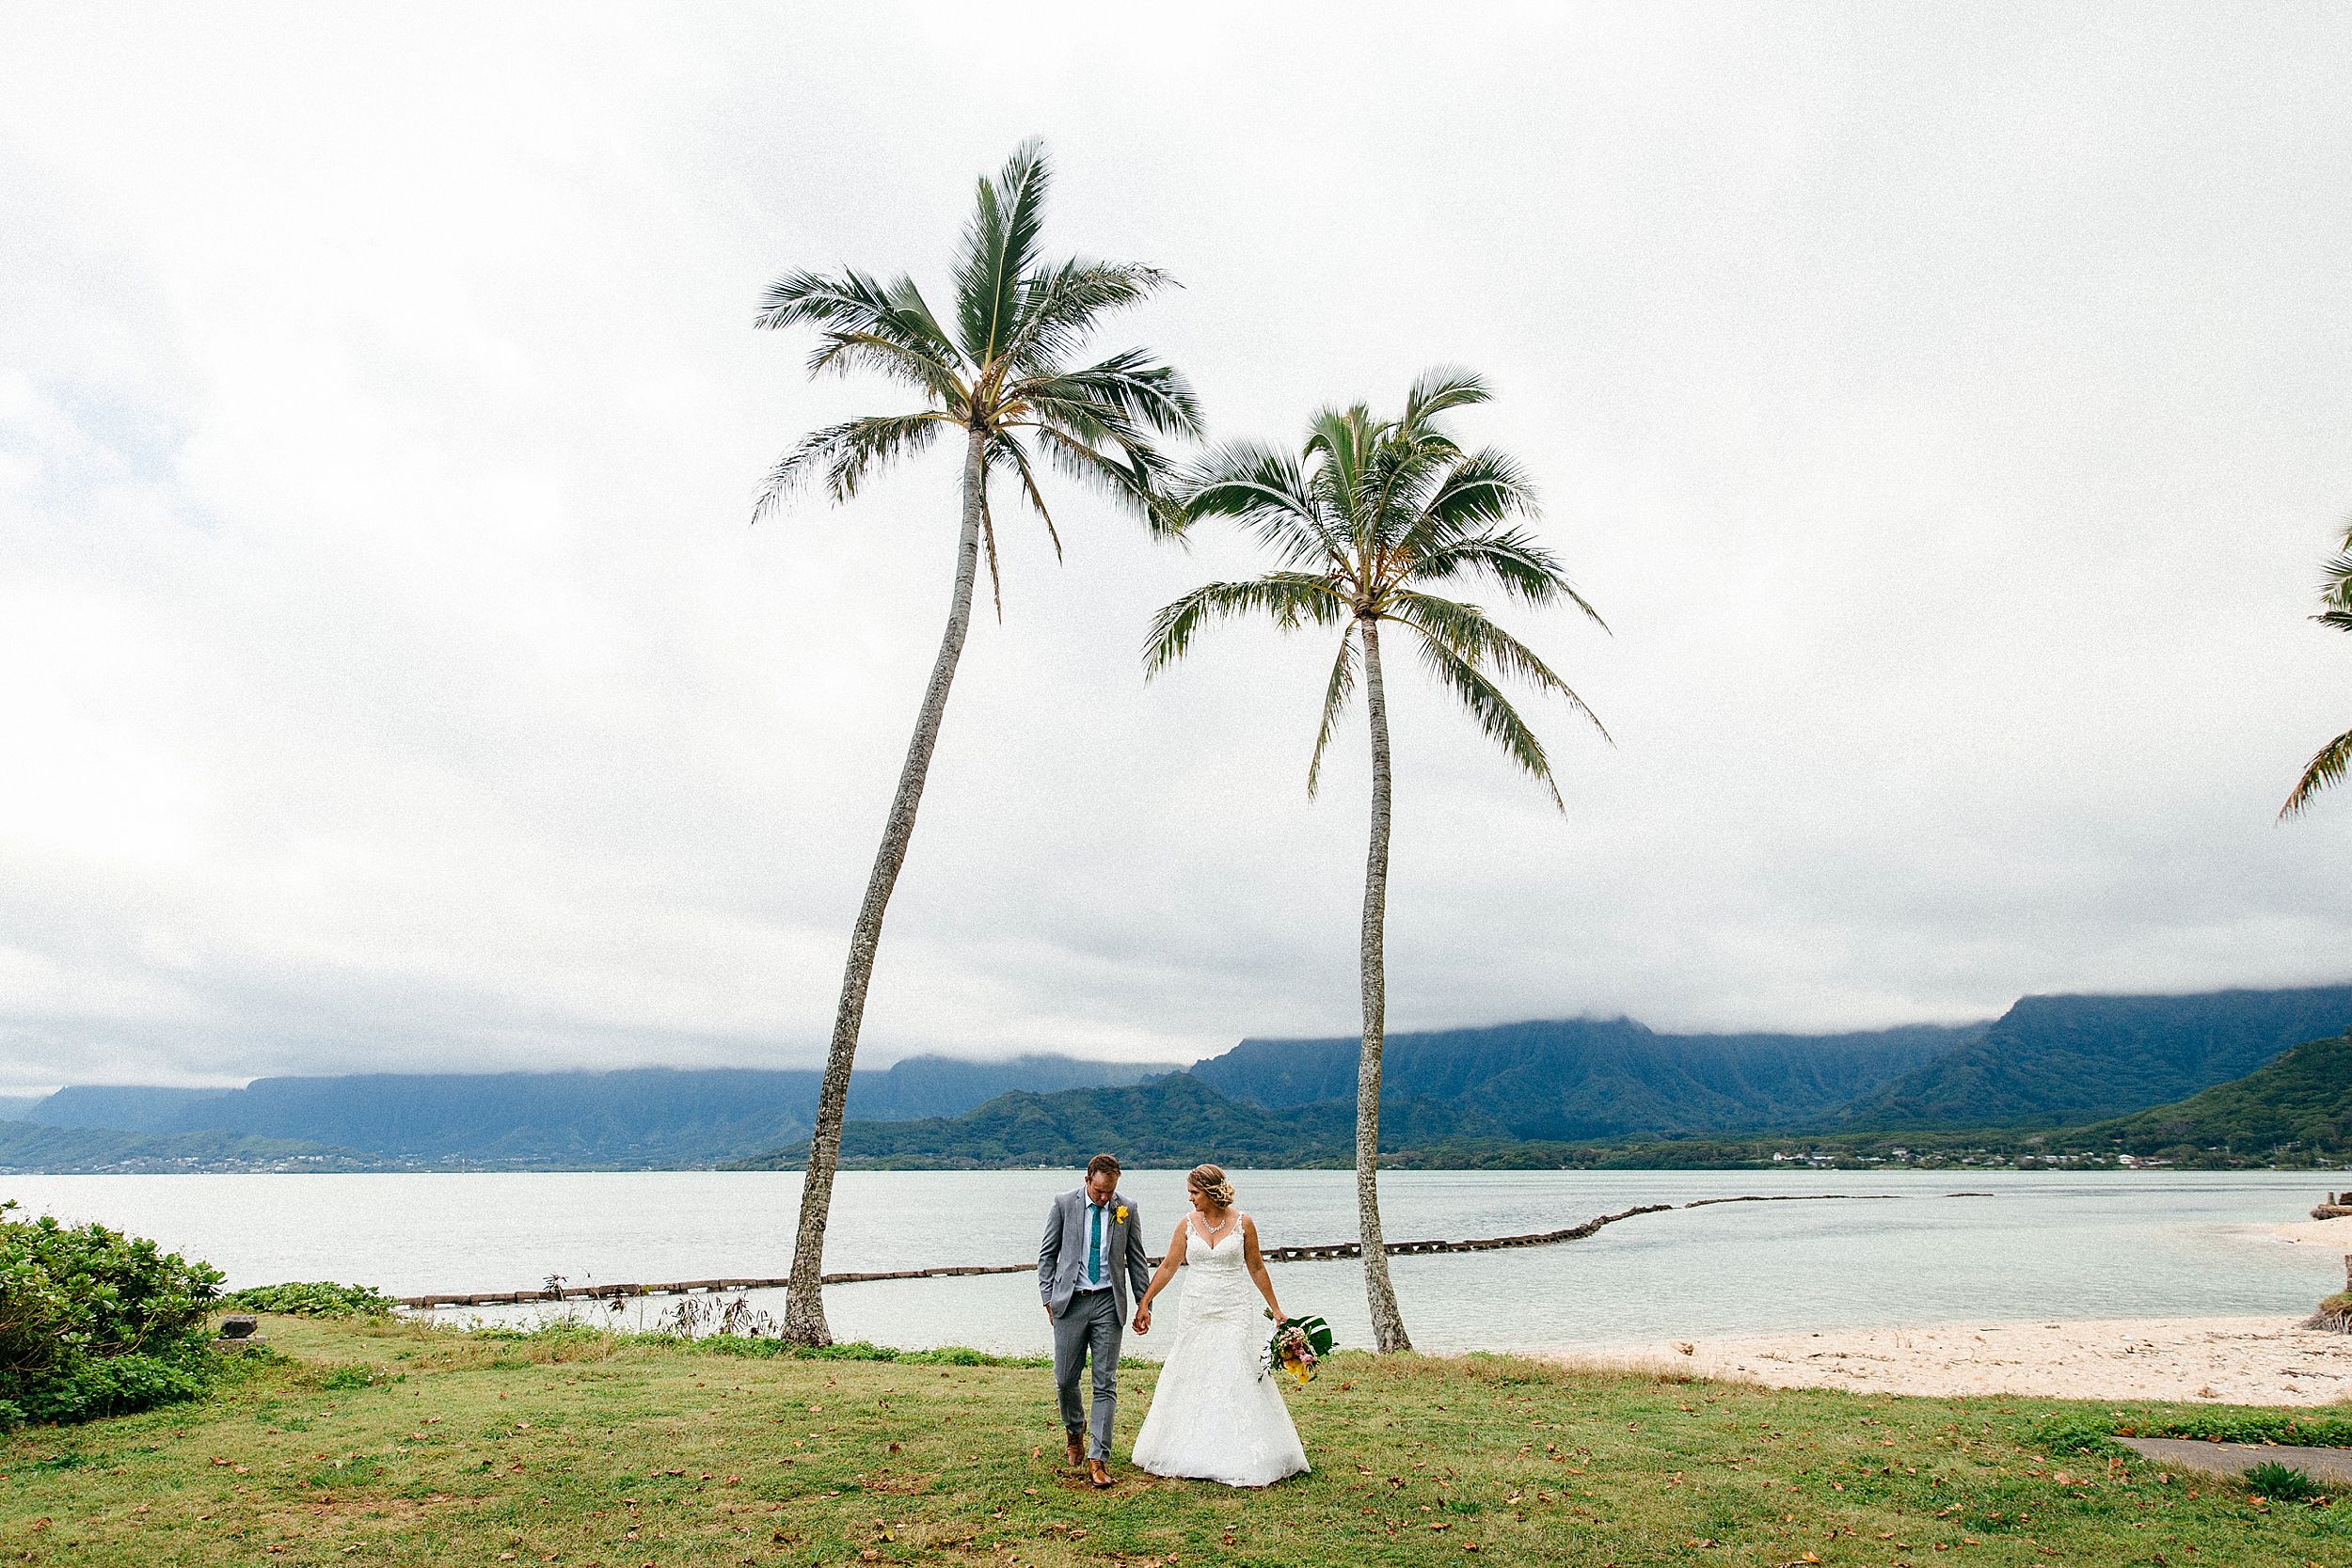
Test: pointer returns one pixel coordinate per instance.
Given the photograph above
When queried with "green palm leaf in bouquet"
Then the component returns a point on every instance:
(1296, 1345)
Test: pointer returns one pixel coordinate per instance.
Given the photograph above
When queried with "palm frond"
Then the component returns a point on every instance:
(1060, 306)
(1335, 696)
(1465, 632)
(1141, 483)
(857, 303)
(843, 352)
(1268, 493)
(1127, 391)
(1478, 493)
(1413, 453)
(1508, 556)
(999, 246)
(1006, 450)
(1338, 443)
(1439, 388)
(1514, 561)
(1403, 472)
(2327, 768)
(1493, 711)
(988, 545)
(847, 452)
(1290, 599)
(2339, 619)
(2336, 591)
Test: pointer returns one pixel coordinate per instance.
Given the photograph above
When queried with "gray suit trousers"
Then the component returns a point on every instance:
(1089, 1329)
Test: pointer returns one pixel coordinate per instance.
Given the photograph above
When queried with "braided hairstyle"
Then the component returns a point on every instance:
(1209, 1181)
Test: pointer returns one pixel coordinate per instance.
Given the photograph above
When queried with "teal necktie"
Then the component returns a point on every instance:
(1094, 1249)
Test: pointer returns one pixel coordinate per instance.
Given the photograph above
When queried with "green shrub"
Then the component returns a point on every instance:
(2071, 1433)
(2282, 1484)
(2226, 1425)
(94, 1323)
(113, 1384)
(312, 1298)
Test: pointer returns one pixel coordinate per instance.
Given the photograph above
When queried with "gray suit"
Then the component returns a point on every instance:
(1087, 1324)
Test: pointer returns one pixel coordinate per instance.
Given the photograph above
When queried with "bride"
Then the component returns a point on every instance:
(1215, 1413)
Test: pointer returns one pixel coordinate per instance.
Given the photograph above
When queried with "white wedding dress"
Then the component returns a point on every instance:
(1212, 1415)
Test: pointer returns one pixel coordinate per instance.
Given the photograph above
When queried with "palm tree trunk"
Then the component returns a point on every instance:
(804, 1298)
(1388, 1324)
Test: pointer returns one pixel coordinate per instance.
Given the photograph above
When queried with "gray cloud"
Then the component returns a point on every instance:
(1945, 408)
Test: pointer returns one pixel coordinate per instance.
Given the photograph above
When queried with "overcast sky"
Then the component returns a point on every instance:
(1948, 406)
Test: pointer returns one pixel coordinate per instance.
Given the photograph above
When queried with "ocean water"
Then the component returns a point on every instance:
(1898, 1248)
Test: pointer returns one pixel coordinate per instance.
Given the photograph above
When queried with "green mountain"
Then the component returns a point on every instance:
(1614, 1093)
(1174, 1120)
(2295, 1109)
(1572, 1091)
(1581, 1079)
(2054, 1061)
(647, 1118)
(26, 1148)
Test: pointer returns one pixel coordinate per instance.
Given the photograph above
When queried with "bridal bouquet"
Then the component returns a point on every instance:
(1296, 1345)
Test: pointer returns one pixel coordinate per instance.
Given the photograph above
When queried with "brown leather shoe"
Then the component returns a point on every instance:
(1077, 1452)
(1099, 1473)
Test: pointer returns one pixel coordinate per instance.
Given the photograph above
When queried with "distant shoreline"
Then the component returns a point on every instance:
(319, 1166)
(2215, 1080)
(470, 1168)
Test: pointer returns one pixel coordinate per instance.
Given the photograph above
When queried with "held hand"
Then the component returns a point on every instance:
(1143, 1319)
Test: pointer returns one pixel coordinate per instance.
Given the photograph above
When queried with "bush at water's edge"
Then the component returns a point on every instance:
(313, 1298)
(94, 1323)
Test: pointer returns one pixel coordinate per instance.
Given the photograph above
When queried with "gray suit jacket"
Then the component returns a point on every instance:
(1061, 1258)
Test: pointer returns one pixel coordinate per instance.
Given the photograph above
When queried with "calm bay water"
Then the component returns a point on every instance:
(2046, 1246)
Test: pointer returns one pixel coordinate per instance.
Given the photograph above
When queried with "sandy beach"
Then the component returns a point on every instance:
(2264, 1360)
(2324, 1235)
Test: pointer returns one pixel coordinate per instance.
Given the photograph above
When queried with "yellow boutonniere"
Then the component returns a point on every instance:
(1122, 1213)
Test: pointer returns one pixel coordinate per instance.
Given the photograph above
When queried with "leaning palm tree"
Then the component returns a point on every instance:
(2327, 767)
(1368, 515)
(1002, 376)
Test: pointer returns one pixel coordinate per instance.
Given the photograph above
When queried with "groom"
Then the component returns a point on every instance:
(1091, 1257)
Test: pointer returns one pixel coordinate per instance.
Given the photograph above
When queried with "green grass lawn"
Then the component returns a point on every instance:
(408, 1445)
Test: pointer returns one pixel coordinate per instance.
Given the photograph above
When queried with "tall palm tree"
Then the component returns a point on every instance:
(2327, 767)
(1360, 522)
(1004, 377)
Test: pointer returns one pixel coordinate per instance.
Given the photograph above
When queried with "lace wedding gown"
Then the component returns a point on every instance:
(1212, 1417)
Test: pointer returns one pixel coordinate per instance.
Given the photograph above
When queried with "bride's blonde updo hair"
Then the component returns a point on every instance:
(1209, 1181)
